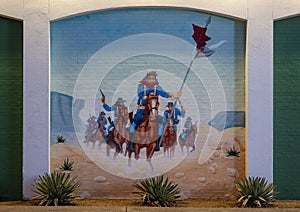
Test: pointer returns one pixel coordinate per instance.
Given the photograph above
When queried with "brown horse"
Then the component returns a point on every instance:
(146, 134)
(190, 139)
(169, 140)
(99, 134)
(91, 129)
(120, 134)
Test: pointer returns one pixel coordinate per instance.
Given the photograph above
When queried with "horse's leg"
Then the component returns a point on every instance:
(173, 150)
(115, 154)
(136, 151)
(129, 158)
(193, 142)
(99, 138)
(88, 137)
(180, 141)
(187, 148)
(107, 150)
(150, 151)
(121, 144)
(93, 138)
(193, 146)
(165, 150)
(125, 153)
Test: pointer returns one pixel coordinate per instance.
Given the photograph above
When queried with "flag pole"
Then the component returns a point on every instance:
(208, 20)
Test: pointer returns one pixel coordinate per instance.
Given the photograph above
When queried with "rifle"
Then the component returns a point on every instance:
(101, 93)
(103, 96)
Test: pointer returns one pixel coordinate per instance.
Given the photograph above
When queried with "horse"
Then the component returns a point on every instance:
(169, 140)
(190, 139)
(95, 133)
(120, 134)
(146, 133)
(90, 129)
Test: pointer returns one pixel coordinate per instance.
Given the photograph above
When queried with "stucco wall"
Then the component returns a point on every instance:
(36, 15)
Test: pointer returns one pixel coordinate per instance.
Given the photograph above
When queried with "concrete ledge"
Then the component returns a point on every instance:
(134, 209)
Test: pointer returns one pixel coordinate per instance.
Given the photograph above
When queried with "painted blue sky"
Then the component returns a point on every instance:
(74, 40)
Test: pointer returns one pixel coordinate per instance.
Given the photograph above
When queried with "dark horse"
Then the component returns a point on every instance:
(190, 139)
(146, 134)
(119, 135)
(99, 134)
(169, 140)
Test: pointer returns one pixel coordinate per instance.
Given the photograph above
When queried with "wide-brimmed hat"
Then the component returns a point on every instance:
(170, 104)
(189, 118)
(102, 113)
(121, 100)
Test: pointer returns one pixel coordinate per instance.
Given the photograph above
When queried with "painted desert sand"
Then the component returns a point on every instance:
(205, 173)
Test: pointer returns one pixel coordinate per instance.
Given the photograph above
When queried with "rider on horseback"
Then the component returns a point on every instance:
(171, 115)
(102, 122)
(187, 127)
(149, 85)
(119, 105)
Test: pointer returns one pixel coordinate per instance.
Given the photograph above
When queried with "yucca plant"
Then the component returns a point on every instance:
(67, 165)
(55, 189)
(255, 192)
(233, 152)
(60, 139)
(158, 192)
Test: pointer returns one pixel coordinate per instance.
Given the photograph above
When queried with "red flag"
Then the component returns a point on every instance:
(200, 37)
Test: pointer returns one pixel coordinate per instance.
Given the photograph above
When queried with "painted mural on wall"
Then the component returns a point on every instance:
(140, 92)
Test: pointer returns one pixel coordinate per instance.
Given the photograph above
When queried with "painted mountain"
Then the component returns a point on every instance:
(61, 119)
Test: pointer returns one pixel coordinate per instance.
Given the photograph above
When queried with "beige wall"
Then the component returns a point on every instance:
(36, 15)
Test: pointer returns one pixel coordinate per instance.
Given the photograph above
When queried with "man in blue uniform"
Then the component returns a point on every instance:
(187, 127)
(171, 114)
(149, 85)
(102, 121)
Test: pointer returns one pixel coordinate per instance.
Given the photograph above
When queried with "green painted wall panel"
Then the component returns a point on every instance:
(11, 108)
(287, 107)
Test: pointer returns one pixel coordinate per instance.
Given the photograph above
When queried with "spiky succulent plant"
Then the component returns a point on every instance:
(55, 189)
(158, 192)
(255, 192)
(67, 165)
(60, 139)
(233, 152)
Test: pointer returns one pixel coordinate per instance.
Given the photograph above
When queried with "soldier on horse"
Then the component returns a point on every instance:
(102, 122)
(117, 132)
(148, 86)
(187, 127)
(116, 108)
(171, 115)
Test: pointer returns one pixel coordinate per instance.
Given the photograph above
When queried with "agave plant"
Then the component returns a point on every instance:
(60, 139)
(233, 152)
(67, 165)
(158, 192)
(255, 192)
(55, 189)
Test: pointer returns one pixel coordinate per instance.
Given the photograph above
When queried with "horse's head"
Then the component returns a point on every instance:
(153, 104)
(194, 127)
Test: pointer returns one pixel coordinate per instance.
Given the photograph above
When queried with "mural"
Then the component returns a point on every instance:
(140, 92)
